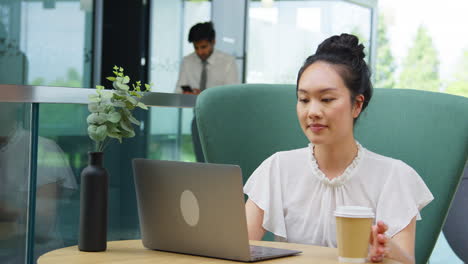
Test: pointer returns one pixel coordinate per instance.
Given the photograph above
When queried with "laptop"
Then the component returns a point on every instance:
(195, 208)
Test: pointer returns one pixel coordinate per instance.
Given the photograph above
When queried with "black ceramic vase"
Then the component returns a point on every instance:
(93, 205)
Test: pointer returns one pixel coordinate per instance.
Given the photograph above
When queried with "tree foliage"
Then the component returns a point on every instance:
(420, 68)
(71, 79)
(356, 31)
(384, 75)
(460, 85)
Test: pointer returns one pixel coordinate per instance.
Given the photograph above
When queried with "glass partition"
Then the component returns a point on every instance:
(62, 155)
(15, 143)
(170, 129)
(46, 144)
(46, 42)
(170, 134)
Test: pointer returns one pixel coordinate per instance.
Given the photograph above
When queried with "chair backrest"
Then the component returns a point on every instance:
(244, 124)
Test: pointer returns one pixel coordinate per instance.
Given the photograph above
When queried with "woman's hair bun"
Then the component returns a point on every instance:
(345, 52)
(345, 45)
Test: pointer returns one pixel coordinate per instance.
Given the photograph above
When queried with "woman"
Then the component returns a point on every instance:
(293, 194)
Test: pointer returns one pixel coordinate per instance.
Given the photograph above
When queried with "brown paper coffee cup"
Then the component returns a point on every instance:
(353, 228)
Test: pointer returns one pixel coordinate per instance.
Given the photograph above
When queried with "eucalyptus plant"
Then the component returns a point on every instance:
(111, 110)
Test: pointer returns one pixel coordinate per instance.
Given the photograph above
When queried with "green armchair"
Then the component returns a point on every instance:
(244, 124)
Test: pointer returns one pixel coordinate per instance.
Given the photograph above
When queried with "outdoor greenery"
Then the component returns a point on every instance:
(71, 79)
(111, 111)
(459, 86)
(162, 147)
(356, 31)
(384, 76)
(420, 69)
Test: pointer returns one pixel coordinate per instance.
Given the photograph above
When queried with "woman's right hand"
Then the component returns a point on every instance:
(378, 242)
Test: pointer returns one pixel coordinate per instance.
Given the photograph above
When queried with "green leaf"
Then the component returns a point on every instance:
(115, 135)
(126, 112)
(101, 132)
(107, 94)
(108, 108)
(133, 120)
(101, 129)
(100, 87)
(121, 69)
(133, 93)
(92, 129)
(142, 105)
(121, 93)
(112, 127)
(115, 67)
(96, 118)
(118, 103)
(126, 80)
(95, 133)
(128, 134)
(126, 126)
(94, 98)
(132, 100)
(121, 86)
(129, 106)
(114, 117)
(110, 78)
(95, 107)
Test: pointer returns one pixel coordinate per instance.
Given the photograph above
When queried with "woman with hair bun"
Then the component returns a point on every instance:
(293, 194)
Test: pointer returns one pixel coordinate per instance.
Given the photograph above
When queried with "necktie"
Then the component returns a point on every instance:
(203, 75)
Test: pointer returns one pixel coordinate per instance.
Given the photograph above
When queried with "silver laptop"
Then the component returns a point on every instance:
(195, 208)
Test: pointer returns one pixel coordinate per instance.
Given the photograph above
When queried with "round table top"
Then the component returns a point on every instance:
(132, 251)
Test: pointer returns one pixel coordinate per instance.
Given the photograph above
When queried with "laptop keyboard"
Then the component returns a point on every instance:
(259, 252)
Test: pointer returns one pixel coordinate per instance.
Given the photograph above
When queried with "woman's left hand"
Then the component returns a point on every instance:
(378, 242)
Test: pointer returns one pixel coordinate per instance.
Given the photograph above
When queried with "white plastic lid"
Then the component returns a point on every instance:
(354, 211)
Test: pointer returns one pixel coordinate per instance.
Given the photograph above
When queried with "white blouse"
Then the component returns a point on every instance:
(298, 200)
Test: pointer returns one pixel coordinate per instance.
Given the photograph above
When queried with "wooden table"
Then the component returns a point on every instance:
(132, 251)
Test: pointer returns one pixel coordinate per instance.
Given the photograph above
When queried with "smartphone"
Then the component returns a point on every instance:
(186, 88)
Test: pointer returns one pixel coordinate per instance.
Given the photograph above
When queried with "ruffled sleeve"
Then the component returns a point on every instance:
(403, 196)
(264, 189)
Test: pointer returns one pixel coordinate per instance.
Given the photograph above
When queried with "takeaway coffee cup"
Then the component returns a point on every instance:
(353, 228)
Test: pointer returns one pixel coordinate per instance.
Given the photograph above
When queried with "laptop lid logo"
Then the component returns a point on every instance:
(189, 208)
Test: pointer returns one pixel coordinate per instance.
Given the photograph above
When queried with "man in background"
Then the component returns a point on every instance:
(206, 67)
(203, 69)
